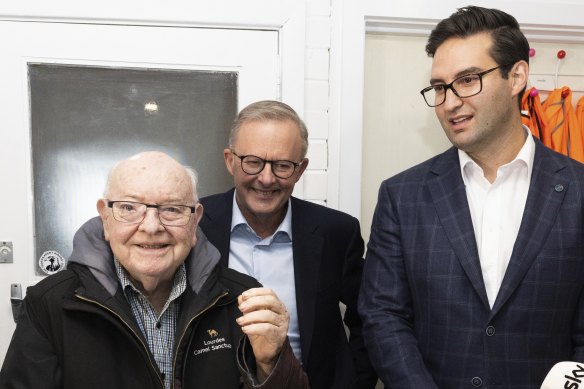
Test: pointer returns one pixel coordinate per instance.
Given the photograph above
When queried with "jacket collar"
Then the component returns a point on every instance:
(92, 250)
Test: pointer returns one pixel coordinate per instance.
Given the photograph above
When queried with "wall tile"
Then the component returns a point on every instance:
(317, 154)
(317, 64)
(317, 123)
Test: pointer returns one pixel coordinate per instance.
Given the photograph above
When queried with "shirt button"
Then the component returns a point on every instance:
(477, 381)
(559, 187)
(490, 331)
(158, 325)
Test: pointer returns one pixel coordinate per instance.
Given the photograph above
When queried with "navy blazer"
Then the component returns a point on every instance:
(427, 320)
(328, 260)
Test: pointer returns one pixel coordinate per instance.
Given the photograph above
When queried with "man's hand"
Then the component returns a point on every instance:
(265, 322)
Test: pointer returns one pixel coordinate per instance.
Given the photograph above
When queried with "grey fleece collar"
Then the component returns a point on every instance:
(90, 249)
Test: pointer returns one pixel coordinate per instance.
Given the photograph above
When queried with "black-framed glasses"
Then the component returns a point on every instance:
(464, 86)
(252, 165)
(135, 212)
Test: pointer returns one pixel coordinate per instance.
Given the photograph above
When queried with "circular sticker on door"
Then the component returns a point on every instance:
(51, 262)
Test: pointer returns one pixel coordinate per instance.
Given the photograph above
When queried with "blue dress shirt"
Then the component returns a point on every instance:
(270, 261)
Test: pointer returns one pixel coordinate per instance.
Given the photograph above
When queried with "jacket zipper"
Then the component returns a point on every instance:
(146, 349)
(211, 305)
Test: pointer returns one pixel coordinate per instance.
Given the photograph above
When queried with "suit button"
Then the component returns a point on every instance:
(477, 381)
(490, 331)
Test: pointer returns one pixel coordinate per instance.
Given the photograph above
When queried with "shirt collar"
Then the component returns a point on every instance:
(237, 219)
(179, 282)
(526, 154)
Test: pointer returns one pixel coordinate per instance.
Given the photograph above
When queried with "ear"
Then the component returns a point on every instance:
(228, 157)
(197, 215)
(301, 168)
(519, 76)
(104, 213)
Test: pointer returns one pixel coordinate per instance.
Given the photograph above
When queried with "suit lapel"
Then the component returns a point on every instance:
(218, 224)
(449, 196)
(546, 193)
(307, 251)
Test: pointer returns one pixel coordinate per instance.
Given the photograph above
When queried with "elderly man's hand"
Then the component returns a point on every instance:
(265, 322)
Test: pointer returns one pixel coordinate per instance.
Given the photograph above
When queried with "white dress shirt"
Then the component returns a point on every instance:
(496, 210)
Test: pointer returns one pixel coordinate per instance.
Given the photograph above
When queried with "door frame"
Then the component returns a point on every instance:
(288, 17)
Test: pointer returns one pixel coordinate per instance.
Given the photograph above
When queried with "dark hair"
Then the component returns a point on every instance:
(509, 43)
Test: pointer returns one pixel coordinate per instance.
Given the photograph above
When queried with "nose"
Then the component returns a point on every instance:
(452, 100)
(151, 223)
(266, 176)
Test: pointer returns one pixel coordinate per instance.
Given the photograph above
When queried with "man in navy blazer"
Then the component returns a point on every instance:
(312, 256)
(474, 271)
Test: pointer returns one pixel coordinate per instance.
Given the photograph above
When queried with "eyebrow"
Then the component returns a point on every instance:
(469, 70)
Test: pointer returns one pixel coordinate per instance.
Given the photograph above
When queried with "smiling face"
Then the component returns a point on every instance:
(479, 122)
(149, 251)
(262, 198)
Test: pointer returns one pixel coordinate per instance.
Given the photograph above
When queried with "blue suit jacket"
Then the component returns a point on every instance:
(328, 262)
(427, 320)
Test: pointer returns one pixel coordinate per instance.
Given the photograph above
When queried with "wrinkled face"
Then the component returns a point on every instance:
(149, 251)
(264, 195)
(473, 123)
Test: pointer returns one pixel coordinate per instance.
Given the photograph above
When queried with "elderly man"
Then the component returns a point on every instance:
(151, 309)
(309, 254)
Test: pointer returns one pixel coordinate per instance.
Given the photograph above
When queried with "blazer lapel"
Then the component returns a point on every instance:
(449, 196)
(546, 193)
(307, 251)
(217, 228)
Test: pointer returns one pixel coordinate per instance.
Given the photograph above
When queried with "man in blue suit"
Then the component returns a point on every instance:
(311, 255)
(474, 272)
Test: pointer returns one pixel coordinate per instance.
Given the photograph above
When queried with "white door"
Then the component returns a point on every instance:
(252, 54)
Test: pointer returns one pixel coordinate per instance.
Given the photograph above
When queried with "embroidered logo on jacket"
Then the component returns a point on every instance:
(213, 344)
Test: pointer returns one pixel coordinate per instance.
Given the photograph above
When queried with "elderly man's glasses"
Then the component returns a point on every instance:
(463, 87)
(135, 212)
(252, 165)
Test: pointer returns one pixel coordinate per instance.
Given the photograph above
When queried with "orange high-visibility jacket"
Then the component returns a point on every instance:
(561, 121)
(580, 116)
(535, 119)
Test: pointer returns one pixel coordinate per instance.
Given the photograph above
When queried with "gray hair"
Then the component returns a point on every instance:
(192, 173)
(269, 110)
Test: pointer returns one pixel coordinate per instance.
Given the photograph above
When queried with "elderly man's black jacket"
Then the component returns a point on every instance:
(77, 331)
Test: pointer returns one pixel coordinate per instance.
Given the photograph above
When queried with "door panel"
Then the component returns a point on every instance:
(71, 162)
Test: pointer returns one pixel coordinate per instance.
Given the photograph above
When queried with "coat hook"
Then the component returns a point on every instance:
(533, 92)
(561, 55)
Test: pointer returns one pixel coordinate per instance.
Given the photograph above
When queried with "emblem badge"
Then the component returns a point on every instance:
(51, 262)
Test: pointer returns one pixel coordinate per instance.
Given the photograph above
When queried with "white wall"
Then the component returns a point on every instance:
(399, 129)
